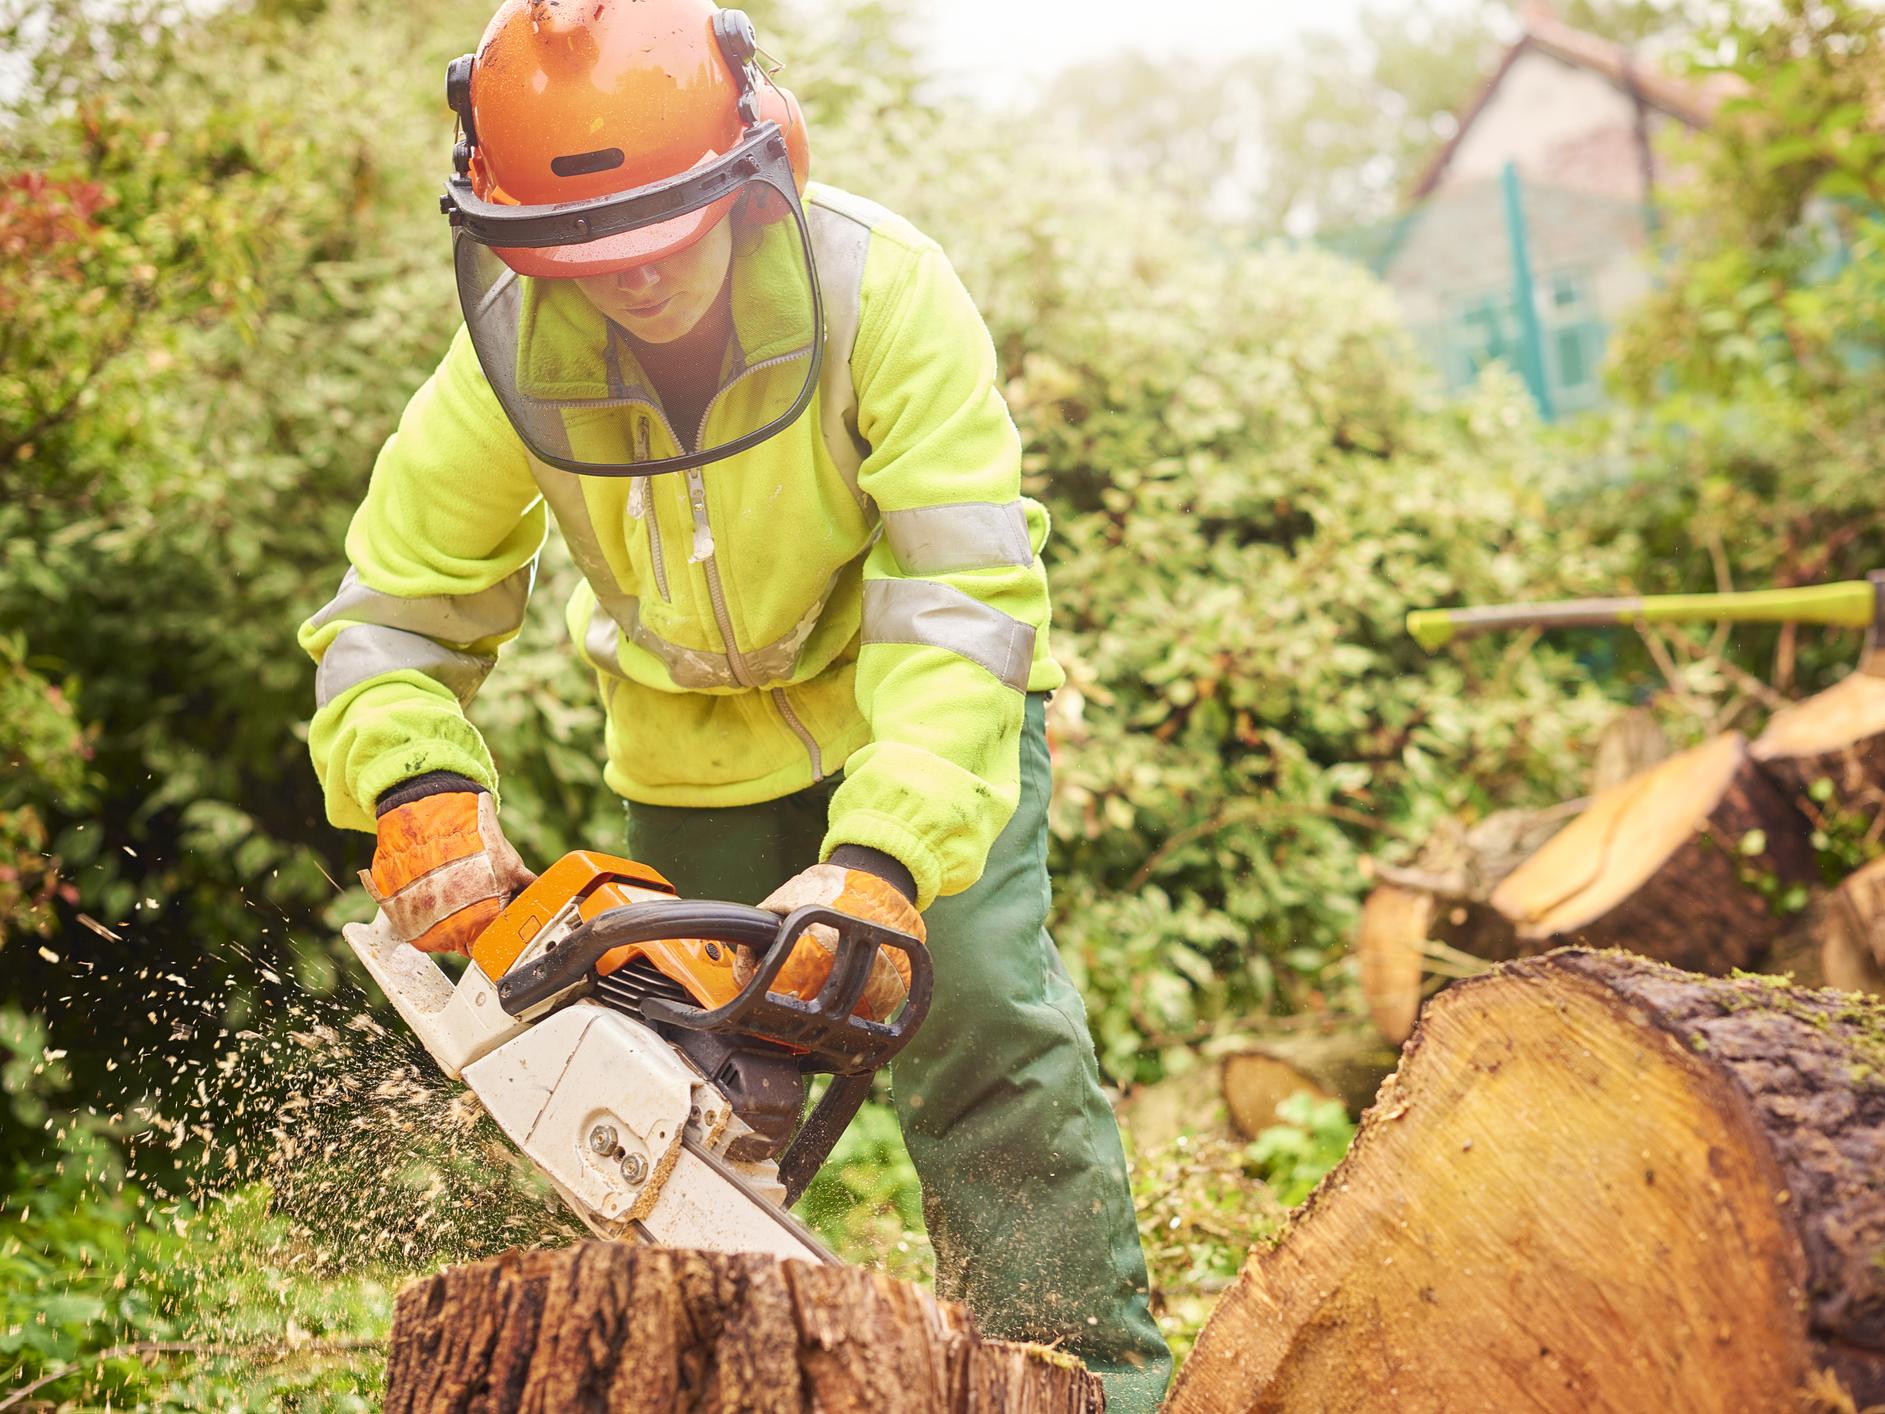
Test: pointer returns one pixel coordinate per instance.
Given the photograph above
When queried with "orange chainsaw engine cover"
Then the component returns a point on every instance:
(597, 883)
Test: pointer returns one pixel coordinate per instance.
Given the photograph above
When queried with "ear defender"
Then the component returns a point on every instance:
(739, 43)
(762, 100)
(458, 99)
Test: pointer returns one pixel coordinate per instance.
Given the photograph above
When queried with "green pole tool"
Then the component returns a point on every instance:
(1849, 604)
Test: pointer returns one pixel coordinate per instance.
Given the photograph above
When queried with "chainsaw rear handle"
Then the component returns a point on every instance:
(824, 1026)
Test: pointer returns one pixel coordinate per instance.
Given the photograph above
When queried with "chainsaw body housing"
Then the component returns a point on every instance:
(600, 1024)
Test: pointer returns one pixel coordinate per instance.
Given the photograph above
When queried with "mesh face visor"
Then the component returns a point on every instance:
(661, 328)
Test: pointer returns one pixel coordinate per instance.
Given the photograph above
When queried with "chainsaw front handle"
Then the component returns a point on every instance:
(824, 1026)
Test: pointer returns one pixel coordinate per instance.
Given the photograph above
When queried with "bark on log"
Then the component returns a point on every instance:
(1662, 865)
(1837, 735)
(1595, 1183)
(609, 1327)
(1346, 1064)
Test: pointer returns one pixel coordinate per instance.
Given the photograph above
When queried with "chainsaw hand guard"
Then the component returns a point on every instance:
(823, 1026)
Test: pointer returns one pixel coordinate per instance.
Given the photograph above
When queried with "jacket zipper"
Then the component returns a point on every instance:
(640, 506)
(806, 738)
(716, 592)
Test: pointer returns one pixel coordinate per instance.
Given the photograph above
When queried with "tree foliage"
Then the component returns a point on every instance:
(1252, 479)
(1753, 423)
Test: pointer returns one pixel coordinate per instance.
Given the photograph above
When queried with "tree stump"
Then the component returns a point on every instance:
(1595, 1183)
(1836, 735)
(1682, 863)
(604, 1326)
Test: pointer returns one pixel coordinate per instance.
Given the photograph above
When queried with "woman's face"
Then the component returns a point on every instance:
(659, 302)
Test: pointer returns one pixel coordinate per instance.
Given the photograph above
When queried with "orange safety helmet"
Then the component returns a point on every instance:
(569, 100)
(598, 136)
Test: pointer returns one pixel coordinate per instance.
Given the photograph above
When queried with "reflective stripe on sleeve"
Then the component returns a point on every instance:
(925, 614)
(967, 535)
(449, 618)
(361, 652)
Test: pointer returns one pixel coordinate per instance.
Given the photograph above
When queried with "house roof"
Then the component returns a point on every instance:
(1689, 102)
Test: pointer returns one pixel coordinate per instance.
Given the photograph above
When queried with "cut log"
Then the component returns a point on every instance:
(1346, 1064)
(1462, 861)
(1595, 1183)
(1685, 863)
(1442, 898)
(1840, 940)
(1856, 912)
(1248, 1074)
(1630, 745)
(1836, 735)
(640, 1330)
(1401, 922)
(1395, 921)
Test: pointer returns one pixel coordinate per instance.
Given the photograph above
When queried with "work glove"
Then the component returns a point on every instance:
(862, 894)
(443, 870)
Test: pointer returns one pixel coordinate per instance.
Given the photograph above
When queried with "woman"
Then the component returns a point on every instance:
(764, 417)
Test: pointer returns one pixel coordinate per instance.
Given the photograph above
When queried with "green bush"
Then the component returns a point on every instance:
(155, 1305)
(1250, 477)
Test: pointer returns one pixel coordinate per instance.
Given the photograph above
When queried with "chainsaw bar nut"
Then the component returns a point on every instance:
(602, 1140)
(634, 1168)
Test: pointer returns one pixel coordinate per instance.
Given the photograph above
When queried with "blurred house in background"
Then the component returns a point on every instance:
(1531, 231)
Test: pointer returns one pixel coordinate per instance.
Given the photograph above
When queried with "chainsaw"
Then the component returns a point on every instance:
(600, 1023)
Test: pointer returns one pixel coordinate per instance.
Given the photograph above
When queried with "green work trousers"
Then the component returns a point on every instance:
(1024, 1181)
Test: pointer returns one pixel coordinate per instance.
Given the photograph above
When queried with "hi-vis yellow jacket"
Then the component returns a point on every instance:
(860, 593)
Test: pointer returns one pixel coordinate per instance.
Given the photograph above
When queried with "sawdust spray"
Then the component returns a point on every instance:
(370, 1156)
(309, 1150)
